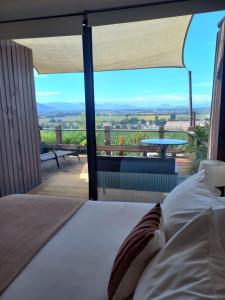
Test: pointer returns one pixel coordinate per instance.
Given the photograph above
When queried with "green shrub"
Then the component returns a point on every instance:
(202, 132)
(48, 137)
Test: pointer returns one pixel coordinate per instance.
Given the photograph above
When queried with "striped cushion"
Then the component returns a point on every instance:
(141, 245)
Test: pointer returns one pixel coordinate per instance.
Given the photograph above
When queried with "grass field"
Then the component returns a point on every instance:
(117, 137)
(104, 118)
(118, 118)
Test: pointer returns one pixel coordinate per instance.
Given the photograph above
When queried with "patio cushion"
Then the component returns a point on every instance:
(136, 164)
(148, 165)
(137, 173)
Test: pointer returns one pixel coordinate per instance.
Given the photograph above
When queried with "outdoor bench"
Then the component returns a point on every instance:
(56, 154)
(136, 173)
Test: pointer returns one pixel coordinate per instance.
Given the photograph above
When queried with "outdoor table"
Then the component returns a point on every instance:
(163, 144)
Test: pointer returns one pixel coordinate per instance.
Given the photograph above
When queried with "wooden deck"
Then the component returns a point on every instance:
(71, 180)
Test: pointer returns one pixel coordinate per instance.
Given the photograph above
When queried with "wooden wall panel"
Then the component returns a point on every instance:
(19, 137)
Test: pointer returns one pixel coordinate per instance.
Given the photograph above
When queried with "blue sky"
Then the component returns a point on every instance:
(146, 87)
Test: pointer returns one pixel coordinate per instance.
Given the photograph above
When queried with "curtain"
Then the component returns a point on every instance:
(217, 93)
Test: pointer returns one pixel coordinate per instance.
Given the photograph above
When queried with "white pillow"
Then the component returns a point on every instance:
(141, 245)
(190, 266)
(185, 201)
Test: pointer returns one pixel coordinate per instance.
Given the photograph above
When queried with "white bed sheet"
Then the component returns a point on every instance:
(76, 263)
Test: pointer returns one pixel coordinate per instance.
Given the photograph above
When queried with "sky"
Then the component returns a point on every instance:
(146, 87)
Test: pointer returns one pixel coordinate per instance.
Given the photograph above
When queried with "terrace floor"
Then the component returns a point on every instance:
(71, 180)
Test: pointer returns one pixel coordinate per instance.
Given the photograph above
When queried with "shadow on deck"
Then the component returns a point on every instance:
(71, 180)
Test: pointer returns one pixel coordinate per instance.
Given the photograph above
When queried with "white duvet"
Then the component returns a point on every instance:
(76, 263)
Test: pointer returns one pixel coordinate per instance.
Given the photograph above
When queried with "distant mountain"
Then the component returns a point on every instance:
(44, 109)
(64, 108)
(115, 107)
(52, 108)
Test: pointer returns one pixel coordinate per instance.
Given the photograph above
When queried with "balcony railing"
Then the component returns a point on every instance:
(119, 141)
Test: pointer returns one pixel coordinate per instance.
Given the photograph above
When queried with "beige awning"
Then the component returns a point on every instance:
(144, 44)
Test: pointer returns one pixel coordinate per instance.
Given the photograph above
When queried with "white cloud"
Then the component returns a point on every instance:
(201, 98)
(204, 84)
(47, 93)
(160, 97)
(179, 99)
(148, 100)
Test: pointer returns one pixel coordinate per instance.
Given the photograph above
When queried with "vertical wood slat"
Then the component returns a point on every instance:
(27, 117)
(19, 141)
(18, 175)
(2, 177)
(19, 118)
(24, 147)
(4, 183)
(9, 100)
(4, 108)
(35, 115)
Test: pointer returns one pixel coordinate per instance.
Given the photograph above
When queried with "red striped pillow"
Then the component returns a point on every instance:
(141, 245)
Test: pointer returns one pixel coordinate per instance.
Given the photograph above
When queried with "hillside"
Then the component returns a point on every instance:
(74, 108)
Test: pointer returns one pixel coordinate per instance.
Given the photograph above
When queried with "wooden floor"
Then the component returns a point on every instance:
(71, 180)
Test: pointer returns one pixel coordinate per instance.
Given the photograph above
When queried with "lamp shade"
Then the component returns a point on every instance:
(215, 172)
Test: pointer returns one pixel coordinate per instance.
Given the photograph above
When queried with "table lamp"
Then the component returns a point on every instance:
(215, 174)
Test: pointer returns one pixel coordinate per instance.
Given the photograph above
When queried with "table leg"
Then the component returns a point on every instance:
(163, 151)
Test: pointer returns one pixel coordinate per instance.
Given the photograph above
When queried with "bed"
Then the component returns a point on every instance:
(76, 262)
(53, 272)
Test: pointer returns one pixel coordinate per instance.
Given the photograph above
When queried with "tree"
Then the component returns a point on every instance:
(133, 120)
(160, 122)
(99, 126)
(173, 117)
(124, 121)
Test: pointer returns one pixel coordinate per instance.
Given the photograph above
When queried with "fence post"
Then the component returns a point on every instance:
(39, 132)
(107, 138)
(161, 132)
(194, 119)
(190, 135)
(58, 134)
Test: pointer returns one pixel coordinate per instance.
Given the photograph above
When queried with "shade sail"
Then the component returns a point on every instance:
(143, 44)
